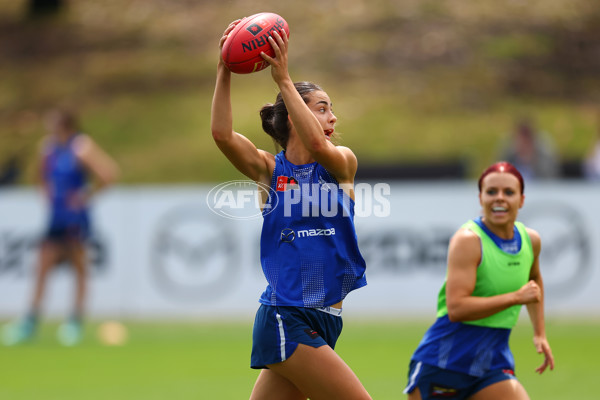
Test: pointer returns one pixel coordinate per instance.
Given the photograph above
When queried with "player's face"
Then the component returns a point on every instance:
(55, 124)
(52, 122)
(320, 105)
(500, 198)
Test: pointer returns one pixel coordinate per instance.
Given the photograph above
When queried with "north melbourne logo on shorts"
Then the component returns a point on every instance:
(442, 392)
(312, 333)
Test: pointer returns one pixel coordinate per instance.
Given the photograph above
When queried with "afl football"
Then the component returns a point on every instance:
(242, 48)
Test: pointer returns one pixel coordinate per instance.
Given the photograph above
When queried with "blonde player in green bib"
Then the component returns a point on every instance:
(493, 269)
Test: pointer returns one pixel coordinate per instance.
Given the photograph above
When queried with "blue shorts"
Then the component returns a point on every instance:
(79, 233)
(439, 383)
(74, 228)
(278, 330)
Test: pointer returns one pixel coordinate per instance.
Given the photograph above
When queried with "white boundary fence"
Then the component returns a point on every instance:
(161, 252)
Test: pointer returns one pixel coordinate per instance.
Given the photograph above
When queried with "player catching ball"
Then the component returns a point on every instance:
(493, 269)
(299, 318)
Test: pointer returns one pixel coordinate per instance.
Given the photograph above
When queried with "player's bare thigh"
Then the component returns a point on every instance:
(321, 374)
(507, 389)
(415, 394)
(272, 386)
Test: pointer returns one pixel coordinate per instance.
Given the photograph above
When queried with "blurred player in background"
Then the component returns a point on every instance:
(531, 151)
(69, 159)
(493, 269)
(299, 319)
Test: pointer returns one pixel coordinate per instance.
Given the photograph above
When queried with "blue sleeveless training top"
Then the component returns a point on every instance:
(67, 181)
(309, 249)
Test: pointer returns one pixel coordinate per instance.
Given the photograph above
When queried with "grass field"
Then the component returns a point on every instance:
(209, 360)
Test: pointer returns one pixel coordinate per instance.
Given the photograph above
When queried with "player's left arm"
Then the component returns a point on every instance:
(340, 161)
(536, 310)
(103, 167)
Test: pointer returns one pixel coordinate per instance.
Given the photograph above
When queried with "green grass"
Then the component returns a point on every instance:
(209, 360)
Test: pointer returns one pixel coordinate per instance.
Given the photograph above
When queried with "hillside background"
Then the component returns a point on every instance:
(413, 81)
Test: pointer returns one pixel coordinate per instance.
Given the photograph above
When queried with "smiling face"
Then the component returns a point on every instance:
(500, 199)
(321, 106)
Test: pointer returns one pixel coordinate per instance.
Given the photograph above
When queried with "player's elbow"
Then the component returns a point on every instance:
(113, 175)
(217, 135)
(220, 136)
(455, 314)
(110, 175)
(316, 148)
(454, 317)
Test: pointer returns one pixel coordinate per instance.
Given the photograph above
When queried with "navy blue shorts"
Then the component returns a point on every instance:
(278, 330)
(74, 232)
(439, 383)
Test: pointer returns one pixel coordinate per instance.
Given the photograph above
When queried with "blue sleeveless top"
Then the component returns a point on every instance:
(309, 249)
(67, 182)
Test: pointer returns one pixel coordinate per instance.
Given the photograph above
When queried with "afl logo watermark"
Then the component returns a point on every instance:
(194, 256)
(288, 235)
(242, 199)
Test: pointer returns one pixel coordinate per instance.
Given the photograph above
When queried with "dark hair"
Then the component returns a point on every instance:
(502, 166)
(66, 118)
(275, 116)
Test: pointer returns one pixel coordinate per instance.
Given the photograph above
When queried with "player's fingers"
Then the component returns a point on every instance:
(231, 26)
(549, 357)
(544, 365)
(278, 37)
(267, 58)
(539, 348)
(227, 32)
(275, 47)
(541, 368)
(284, 39)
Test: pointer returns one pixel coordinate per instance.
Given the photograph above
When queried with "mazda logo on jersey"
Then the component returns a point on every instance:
(288, 235)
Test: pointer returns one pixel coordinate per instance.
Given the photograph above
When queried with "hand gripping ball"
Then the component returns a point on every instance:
(242, 48)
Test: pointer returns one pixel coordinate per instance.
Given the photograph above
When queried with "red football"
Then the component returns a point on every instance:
(242, 48)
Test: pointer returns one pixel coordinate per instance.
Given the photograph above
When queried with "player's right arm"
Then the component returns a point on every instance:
(536, 310)
(254, 163)
(464, 255)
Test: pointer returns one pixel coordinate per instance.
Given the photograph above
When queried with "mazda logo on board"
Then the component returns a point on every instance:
(566, 248)
(194, 254)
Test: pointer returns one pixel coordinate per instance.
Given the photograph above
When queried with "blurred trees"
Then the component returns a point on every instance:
(442, 68)
(44, 8)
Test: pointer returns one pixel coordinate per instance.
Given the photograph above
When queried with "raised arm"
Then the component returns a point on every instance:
(338, 160)
(242, 153)
(536, 310)
(464, 255)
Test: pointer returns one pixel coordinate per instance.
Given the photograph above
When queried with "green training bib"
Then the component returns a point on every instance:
(498, 273)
